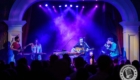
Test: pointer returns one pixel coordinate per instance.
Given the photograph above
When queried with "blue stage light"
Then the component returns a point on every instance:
(46, 5)
(59, 5)
(70, 5)
(65, 5)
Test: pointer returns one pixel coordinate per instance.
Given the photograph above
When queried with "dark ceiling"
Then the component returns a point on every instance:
(5, 6)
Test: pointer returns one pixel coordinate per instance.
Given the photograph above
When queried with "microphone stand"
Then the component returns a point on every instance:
(66, 44)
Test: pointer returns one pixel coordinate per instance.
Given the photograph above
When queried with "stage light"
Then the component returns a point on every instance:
(59, 5)
(70, 5)
(40, 5)
(77, 6)
(96, 6)
(83, 6)
(53, 6)
(46, 5)
(65, 5)
(91, 53)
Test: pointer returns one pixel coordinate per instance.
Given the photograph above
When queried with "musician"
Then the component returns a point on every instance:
(36, 48)
(83, 51)
(81, 44)
(16, 47)
(110, 48)
(10, 52)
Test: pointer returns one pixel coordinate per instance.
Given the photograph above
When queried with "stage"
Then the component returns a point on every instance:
(59, 24)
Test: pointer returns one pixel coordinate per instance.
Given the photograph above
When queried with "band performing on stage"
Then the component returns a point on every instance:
(80, 49)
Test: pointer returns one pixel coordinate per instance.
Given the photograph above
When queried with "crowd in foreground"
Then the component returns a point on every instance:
(61, 69)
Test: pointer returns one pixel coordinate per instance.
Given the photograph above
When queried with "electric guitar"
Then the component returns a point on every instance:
(22, 49)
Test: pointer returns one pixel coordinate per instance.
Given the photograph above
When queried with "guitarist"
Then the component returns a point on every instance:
(16, 47)
(84, 48)
(81, 44)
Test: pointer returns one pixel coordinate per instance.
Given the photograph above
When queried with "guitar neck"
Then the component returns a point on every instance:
(27, 45)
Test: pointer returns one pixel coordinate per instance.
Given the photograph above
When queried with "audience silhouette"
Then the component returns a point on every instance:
(63, 69)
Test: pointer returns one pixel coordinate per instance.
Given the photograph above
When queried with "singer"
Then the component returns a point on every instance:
(82, 48)
(81, 44)
(110, 48)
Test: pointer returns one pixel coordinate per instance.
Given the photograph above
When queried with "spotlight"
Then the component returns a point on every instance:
(83, 6)
(46, 5)
(40, 5)
(91, 53)
(65, 5)
(59, 5)
(53, 6)
(70, 5)
(77, 6)
(96, 6)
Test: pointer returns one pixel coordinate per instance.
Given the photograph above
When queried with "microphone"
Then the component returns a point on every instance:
(84, 38)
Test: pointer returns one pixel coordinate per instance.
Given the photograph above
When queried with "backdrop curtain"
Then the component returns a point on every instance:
(26, 27)
(119, 31)
(3, 34)
(112, 21)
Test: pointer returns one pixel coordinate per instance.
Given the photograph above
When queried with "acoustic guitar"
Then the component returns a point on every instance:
(81, 50)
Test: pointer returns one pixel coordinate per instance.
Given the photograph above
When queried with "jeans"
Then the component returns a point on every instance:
(15, 55)
(11, 59)
(86, 57)
(39, 57)
(35, 56)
